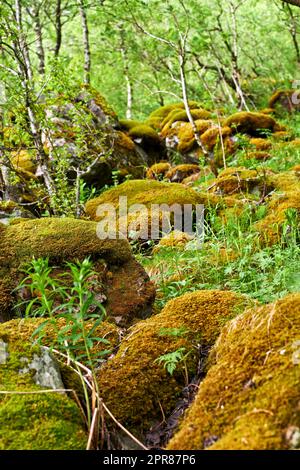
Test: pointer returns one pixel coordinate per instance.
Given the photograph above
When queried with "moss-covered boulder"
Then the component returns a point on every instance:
(242, 180)
(249, 399)
(158, 170)
(135, 385)
(254, 124)
(65, 239)
(284, 101)
(32, 419)
(179, 172)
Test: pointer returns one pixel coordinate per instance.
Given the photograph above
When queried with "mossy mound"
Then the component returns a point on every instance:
(158, 171)
(65, 239)
(163, 111)
(31, 420)
(259, 155)
(186, 135)
(254, 124)
(261, 144)
(174, 239)
(272, 227)
(145, 192)
(212, 136)
(128, 124)
(249, 399)
(181, 116)
(143, 133)
(282, 101)
(179, 172)
(241, 180)
(25, 162)
(134, 385)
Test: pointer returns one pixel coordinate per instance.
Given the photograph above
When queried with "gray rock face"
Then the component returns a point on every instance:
(47, 371)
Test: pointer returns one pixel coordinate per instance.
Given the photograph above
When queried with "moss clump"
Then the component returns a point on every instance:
(175, 239)
(128, 124)
(33, 421)
(158, 170)
(250, 396)
(163, 111)
(60, 240)
(212, 136)
(271, 227)
(254, 124)
(261, 144)
(179, 172)
(238, 180)
(282, 100)
(145, 192)
(147, 133)
(133, 385)
(24, 161)
(259, 155)
(181, 115)
(186, 134)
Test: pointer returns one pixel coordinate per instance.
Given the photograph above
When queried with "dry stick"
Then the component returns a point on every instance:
(92, 430)
(100, 399)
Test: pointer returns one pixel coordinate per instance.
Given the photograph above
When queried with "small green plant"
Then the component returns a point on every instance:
(68, 296)
(172, 359)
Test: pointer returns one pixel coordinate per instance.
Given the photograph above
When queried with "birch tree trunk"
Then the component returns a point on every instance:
(86, 42)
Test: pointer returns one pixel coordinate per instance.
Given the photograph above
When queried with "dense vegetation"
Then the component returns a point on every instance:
(157, 341)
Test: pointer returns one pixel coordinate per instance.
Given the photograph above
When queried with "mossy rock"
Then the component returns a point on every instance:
(144, 134)
(179, 172)
(249, 399)
(163, 111)
(212, 136)
(270, 228)
(186, 135)
(145, 192)
(261, 144)
(66, 239)
(242, 180)
(259, 155)
(254, 124)
(127, 124)
(282, 101)
(31, 420)
(158, 171)
(134, 386)
(24, 161)
(174, 239)
(181, 115)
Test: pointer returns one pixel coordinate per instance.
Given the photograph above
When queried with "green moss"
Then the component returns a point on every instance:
(282, 98)
(158, 170)
(34, 421)
(145, 192)
(251, 123)
(145, 132)
(59, 239)
(238, 180)
(261, 144)
(250, 396)
(181, 115)
(186, 134)
(128, 124)
(163, 111)
(133, 385)
(212, 136)
(179, 172)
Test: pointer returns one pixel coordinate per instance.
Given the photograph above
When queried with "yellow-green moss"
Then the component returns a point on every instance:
(181, 115)
(133, 385)
(34, 421)
(175, 239)
(128, 124)
(250, 396)
(145, 132)
(60, 239)
(163, 111)
(261, 144)
(179, 172)
(145, 192)
(258, 155)
(282, 99)
(186, 134)
(271, 226)
(251, 123)
(24, 161)
(236, 180)
(212, 136)
(158, 170)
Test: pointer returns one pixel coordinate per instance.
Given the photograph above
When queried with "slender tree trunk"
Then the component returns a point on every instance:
(86, 42)
(58, 28)
(293, 2)
(293, 32)
(39, 37)
(129, 87)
